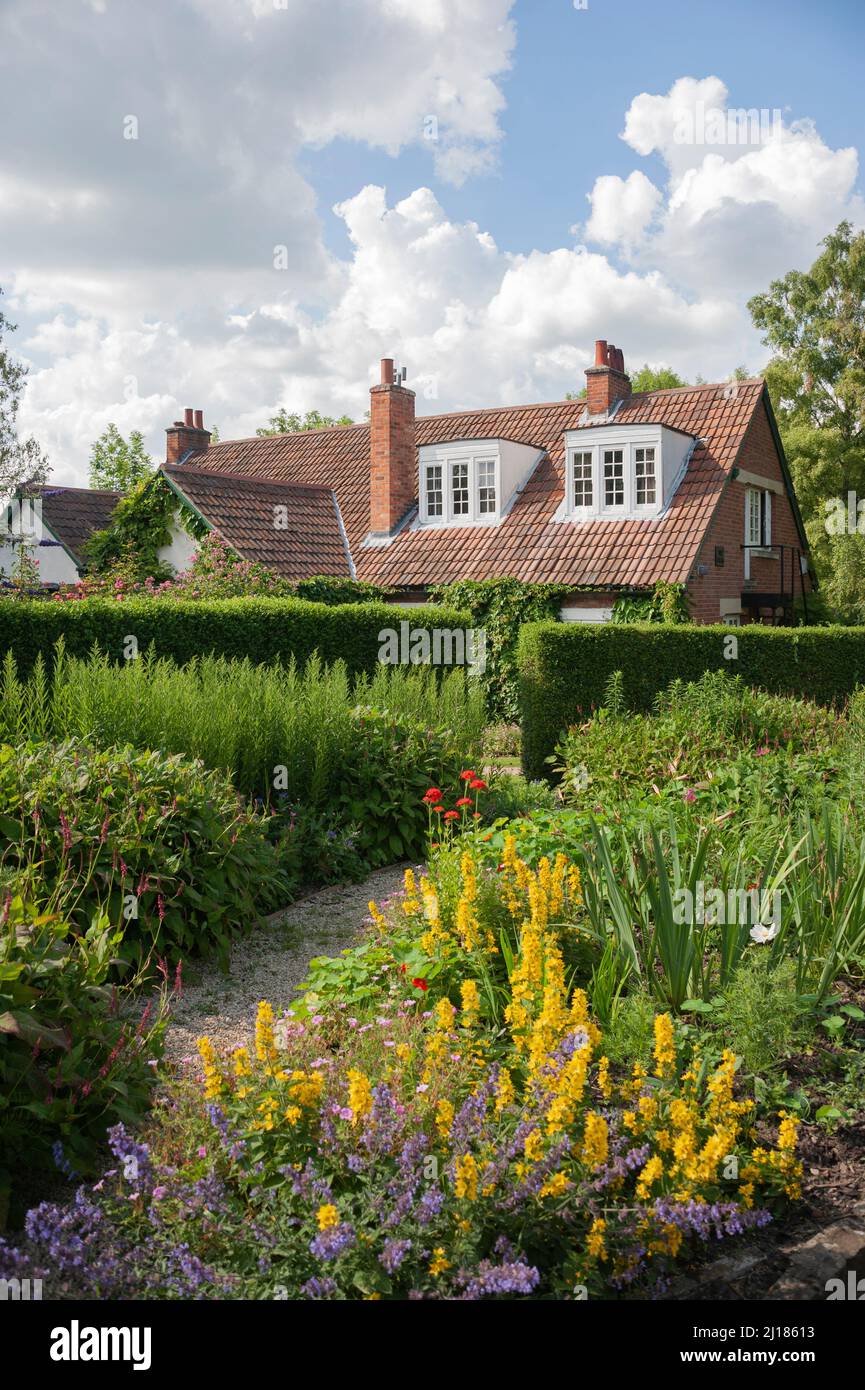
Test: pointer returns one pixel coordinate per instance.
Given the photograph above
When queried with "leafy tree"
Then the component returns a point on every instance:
(21, 460)
(655, 379)
(814, 321)
(285, 423)
(119, 464)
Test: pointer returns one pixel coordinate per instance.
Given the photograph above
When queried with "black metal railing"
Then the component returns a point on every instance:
(780, 597)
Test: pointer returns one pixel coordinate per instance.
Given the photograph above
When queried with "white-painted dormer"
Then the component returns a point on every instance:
(622, 472)
(471, 482)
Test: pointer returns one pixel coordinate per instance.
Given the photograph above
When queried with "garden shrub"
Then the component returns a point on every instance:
(500, 607)
(394, 760)
(73, 1057)
(564, 668)
(262, 629)
(162, 846)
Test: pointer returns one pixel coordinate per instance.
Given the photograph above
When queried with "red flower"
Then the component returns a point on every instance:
(467, 775)
(420, 984)
(478, 785)
(402, 968)
(464, 801)
(438, 808)
(434, 794)
(452, 815)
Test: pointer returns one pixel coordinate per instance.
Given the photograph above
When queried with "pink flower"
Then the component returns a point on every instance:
(689, 794)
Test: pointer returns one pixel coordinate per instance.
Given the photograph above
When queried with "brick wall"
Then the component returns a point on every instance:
(393, 456)
(727, 529)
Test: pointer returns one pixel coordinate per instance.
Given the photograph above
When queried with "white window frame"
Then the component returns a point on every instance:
(447, 460)
(629, 508)
(763, 540)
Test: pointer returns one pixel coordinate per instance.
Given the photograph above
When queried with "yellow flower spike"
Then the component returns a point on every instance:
(466, 1178)
(213, 1080)
(595, 1240)
(265, 1045)
(377, 915)
(595, 1140)
(556, 1186)
(505, 1093)
(533, 1146)
(411, 902)
(444, 1117)
(605, 1085)
(665, 1047)
(651, 1171)
(327, 1216)
(359, 1094)
(471, 1003)
(438, 1264)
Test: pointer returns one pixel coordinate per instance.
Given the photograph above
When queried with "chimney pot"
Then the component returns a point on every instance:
(199, 419)
(606, 382)
(187, 417)
(392, 452)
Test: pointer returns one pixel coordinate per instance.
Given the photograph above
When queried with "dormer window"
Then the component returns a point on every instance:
(581, 477)
(434, 499)
(616, 472)
(644, 474)
(486, 487)
(471, 482)
(614, 478)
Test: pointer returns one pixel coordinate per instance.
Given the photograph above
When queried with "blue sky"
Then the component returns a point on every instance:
(574, 75)
(274, 221)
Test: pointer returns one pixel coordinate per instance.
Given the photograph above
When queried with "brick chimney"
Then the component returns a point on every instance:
(392, 452)
(183, 435)
(606, 382)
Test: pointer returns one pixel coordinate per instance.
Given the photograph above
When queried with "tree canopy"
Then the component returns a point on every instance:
(21, 460)
(814, 322)
(117, 463)
(285, 422)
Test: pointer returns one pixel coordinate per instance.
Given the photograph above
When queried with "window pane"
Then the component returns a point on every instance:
(582, 479)
(754, 528)
(486, 486)
(434, 497)
(614, 478)
(460, 489)
(644, 471)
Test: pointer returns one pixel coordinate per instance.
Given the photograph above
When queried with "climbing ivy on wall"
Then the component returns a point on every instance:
(501, 606)
(140, 527)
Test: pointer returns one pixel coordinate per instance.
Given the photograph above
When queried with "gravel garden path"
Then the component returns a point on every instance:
(268, 963)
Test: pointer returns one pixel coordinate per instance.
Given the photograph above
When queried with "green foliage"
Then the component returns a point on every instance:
(73, 1058)
(332, 589)
(157, 843)
(118, 464)
(21, 460)
(500, 606)
(140, 526)
(394, 761)
(564, 668)
(262, 629)
(760, 1014)
(814, 322)
(667, 603)
(648, 378)
(286, 422)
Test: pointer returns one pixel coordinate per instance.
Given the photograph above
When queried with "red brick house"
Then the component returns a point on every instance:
(607, 494)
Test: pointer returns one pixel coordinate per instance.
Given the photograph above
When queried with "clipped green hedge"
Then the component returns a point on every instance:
(263, 629)
(564, 667)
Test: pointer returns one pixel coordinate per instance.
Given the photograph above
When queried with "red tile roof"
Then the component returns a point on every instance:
(72, 514)
(309, 539)
(526, 544)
